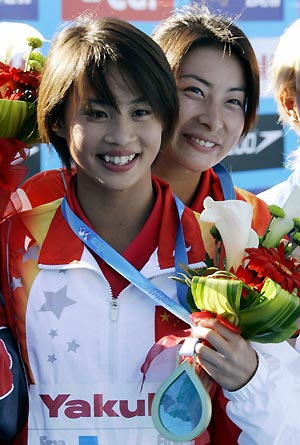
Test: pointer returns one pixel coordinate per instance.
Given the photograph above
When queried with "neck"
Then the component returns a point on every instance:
(184, 182)
(117, 216)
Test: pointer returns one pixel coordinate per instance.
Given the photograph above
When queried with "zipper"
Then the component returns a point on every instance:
(114, 309)
(113, 337)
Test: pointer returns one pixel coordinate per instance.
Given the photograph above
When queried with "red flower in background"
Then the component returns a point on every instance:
(272, 263)
(18, 121)
(19, 84)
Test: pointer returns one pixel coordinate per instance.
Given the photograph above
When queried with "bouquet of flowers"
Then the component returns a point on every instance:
(251, 284)
(18, 86)
(255, 287)
(18, 122)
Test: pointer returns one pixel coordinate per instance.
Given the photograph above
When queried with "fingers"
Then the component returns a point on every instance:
(226, 329)
(217, 335)
(225, 355)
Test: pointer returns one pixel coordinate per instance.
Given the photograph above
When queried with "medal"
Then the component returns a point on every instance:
(181, 408)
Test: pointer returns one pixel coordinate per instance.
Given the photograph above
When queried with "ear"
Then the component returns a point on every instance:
(59, 129)
(288, 103)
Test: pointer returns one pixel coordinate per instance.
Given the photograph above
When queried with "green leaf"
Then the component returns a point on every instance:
(250, 299)
(272, 317)
(266, 317)
(218, 295)
(18, 120)
(190, 301)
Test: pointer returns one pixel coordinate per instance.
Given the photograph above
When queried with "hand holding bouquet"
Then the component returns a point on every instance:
(256, 286)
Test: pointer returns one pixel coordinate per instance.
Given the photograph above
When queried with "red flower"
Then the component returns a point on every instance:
(20, 85)
(249, 277)
(272, 263)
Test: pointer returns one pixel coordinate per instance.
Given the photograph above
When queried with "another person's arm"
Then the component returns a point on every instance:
(263, 392)
(13, 391)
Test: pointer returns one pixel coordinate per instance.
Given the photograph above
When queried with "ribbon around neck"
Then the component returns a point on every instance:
(122, 266)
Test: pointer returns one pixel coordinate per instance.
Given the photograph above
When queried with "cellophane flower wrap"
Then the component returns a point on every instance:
(256, 285)
(18, 92)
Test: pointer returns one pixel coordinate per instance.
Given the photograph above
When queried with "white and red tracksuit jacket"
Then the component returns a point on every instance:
(83, 356)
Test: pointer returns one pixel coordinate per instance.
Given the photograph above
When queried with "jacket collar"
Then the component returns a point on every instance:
(62, 246)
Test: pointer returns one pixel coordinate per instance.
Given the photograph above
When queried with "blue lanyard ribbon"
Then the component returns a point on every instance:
(226, 182)
(180, 256)
(180, 251)
(122, 266)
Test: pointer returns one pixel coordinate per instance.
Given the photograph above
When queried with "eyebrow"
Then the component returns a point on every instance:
(208, 84)
(98, 101)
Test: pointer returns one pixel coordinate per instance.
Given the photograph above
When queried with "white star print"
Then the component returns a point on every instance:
(51, 358)
(53, 333)
(73, 346)
(31, 254)
(56, 302)
(16, 282)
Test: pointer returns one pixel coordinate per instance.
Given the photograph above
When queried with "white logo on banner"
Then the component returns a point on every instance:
(15, 2)
(263, 3)
(250, 145)
(122, 5)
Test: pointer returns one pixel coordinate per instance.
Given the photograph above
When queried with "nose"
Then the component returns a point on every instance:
(212, 116)
(121, 131)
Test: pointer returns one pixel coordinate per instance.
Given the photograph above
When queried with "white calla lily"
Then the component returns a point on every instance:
(13, 39)
(279, 227)
(233, 221)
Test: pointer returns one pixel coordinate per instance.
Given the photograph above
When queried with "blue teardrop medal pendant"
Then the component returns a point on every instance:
(181, 408)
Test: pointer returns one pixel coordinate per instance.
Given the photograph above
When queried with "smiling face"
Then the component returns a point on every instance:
(211, 88)
(112, 149)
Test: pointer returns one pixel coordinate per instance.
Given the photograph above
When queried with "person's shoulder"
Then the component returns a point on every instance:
(279, 193)
(29, 224)
(261, 214)
(270, 195)
(44, 187)
(294, 179)
(246, 195)
(23, 234)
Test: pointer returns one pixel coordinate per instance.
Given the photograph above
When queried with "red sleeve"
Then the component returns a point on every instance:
(222, 430)
(12, 172)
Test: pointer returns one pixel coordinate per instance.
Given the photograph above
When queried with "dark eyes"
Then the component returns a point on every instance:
(96, 114)
(237, 102)
(194, 90)
(141, 113)
(100, 114)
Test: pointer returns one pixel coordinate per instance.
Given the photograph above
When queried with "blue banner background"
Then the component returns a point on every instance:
(265, 19)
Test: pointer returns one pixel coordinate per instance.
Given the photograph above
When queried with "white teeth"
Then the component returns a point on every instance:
(118, 160)
(203, 143)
